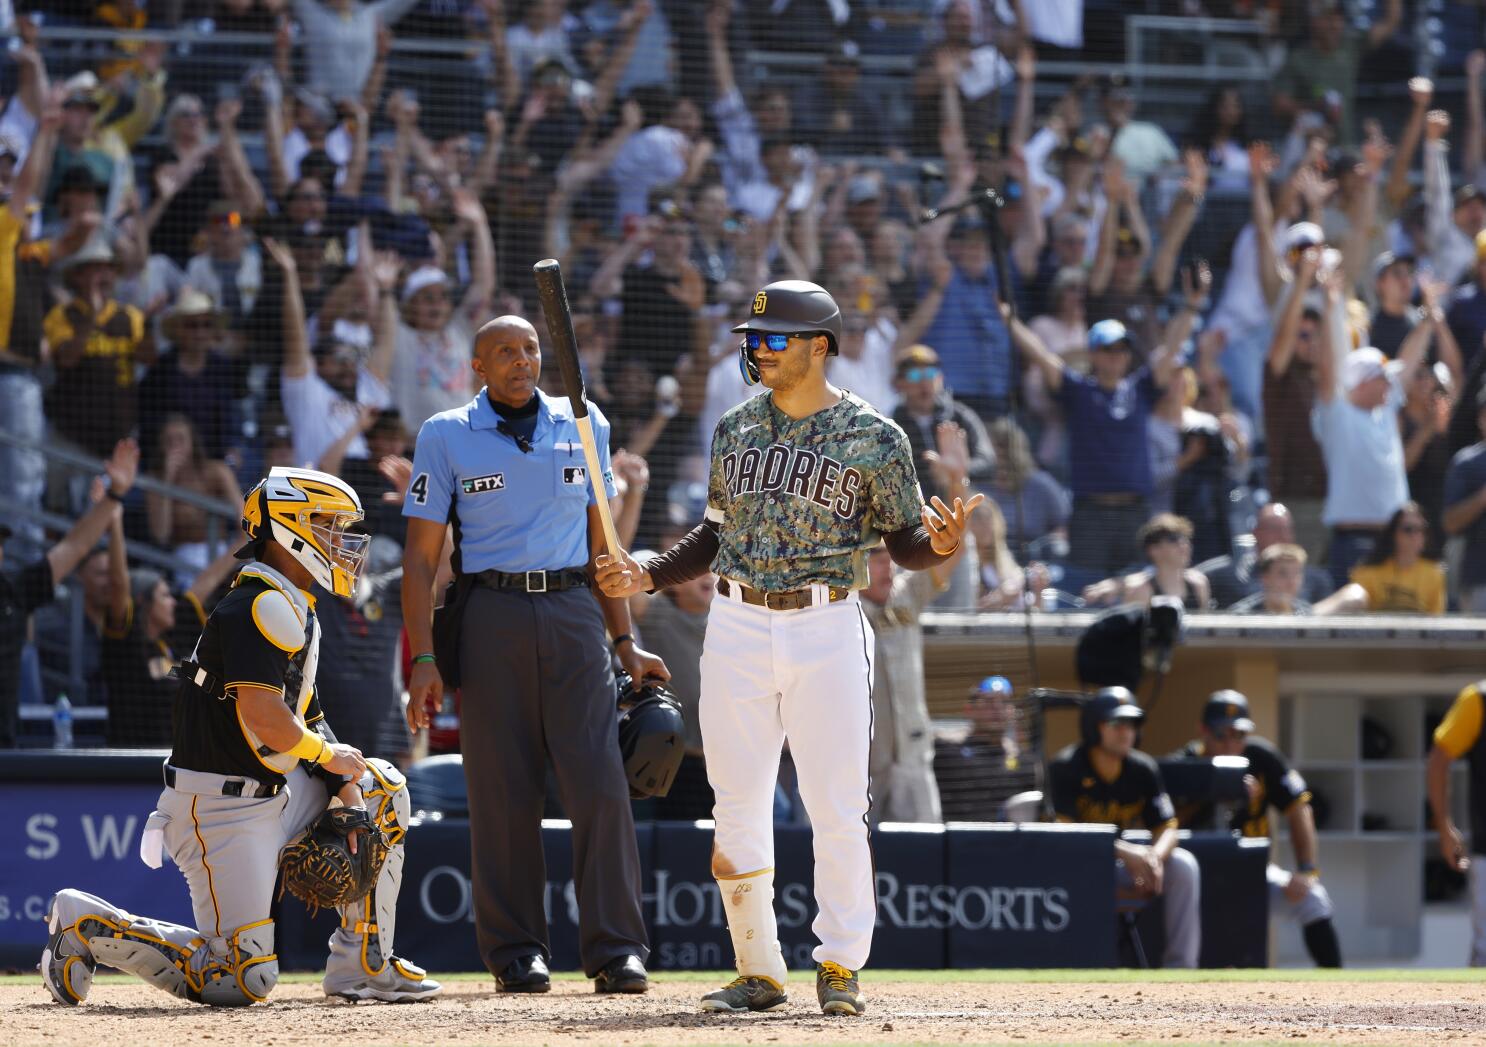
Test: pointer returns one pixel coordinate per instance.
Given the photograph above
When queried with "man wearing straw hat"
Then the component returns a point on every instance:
(95, 344)
(195, 377)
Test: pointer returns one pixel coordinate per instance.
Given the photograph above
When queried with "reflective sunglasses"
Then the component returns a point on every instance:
(919, 374)
(775, 343)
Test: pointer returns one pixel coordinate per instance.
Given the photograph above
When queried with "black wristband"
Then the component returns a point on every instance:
(109, 492)
(621, 638)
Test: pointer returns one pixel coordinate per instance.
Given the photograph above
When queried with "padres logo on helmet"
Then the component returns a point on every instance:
(309, 513)
(792, 307)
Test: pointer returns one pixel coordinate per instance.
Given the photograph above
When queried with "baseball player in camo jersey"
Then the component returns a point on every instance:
(253, 764)
(804, 482)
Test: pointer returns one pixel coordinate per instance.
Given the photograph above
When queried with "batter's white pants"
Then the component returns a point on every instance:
(805, 676)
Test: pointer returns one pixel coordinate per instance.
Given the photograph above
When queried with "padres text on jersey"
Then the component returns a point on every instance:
(799, 501)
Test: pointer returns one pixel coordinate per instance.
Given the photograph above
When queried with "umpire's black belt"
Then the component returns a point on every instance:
(535, 581)
(790, 601)
(209, 784)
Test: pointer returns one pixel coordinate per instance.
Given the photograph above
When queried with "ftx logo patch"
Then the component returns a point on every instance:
(481, 484)
(574, 474)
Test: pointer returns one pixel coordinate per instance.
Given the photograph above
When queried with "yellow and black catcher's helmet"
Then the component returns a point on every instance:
(308, 513)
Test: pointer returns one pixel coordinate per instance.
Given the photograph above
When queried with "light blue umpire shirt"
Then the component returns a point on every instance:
(511, 511)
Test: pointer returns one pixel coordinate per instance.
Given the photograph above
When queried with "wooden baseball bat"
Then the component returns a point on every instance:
(559, 314)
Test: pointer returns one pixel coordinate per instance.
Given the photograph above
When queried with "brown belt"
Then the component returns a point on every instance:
(791, 601)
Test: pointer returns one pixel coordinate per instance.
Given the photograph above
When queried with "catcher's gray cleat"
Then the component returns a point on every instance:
(746, 993)
(398, 982)
(67, 965)
(838, 990)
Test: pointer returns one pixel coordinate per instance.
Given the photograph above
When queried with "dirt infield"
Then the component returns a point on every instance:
(121, 1013)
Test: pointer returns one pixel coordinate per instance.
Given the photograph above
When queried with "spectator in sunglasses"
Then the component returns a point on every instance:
(1167, 541)
(230, 270)
(1107, 412)
(925, 405)
(1397, 577)
(195, 377)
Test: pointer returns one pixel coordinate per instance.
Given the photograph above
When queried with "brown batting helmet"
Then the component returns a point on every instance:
(791, 307)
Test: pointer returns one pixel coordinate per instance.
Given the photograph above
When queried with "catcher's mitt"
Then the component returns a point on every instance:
(319, 868)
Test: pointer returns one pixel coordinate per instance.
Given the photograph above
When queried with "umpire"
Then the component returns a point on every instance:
(530, 653)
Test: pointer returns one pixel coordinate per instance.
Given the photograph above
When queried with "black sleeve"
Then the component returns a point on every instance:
(247, 655)
(34, 586)
(1159, 811)
(912, 548)
(1062, 780)
(689, 558)
(1283, 785)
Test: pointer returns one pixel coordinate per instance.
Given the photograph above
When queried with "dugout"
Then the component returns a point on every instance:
(1351, 700)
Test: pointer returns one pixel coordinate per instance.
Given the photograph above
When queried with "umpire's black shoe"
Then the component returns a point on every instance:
(622, 974)
(526, 974)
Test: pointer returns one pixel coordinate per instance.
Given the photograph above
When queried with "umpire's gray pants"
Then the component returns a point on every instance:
(537, 682)
(1181, 901)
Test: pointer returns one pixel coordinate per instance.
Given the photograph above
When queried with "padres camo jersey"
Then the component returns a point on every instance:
(800, 501)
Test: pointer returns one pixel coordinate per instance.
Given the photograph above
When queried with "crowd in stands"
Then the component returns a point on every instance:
(232, 255)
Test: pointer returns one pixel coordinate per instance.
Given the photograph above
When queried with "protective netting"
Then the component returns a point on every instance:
(257, 232)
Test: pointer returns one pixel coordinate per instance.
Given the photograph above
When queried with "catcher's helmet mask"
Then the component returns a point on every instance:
(792, 307)
(315, 517)
(652, 736)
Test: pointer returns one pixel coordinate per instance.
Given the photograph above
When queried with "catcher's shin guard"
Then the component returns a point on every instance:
(362, 965)
(67, 964)
(250, 969)
(223, 972)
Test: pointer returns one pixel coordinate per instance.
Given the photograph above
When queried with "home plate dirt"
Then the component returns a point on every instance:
(121, 1013)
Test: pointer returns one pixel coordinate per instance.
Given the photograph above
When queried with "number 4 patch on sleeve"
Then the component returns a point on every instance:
(419, 488)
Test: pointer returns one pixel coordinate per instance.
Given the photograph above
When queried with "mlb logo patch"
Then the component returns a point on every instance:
(481, 484)
(574, 474)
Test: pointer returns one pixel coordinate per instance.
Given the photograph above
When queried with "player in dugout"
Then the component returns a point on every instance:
(1227, 730)
(1104, 779)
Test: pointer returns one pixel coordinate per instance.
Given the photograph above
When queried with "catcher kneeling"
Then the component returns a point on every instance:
(257, 780)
